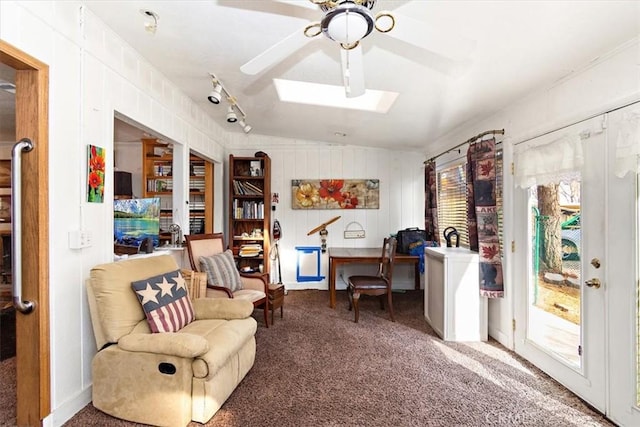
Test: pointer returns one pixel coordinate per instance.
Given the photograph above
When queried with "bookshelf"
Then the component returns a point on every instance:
(249, 211)
(200, 195)
(157, 171)
(157, 165)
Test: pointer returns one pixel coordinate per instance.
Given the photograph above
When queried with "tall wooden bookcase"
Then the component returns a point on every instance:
(250, 211)
(200, 195)
(157, 171)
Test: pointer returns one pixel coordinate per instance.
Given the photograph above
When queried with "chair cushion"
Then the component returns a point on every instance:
(249, 294)
(165, 301)
(367, 282)
(221, 270)
(225, 337)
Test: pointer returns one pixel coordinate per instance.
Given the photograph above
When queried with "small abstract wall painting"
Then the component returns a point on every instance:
(335, 194)
(95, 174)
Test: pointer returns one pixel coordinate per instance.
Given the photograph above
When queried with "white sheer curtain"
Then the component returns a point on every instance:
(554, 161)
(554, 157)
(627, 142)
(558, 155)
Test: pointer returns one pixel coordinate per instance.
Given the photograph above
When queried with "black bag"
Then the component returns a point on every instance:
(409, 236)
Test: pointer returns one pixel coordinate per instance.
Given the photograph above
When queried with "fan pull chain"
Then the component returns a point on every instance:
(347, 74)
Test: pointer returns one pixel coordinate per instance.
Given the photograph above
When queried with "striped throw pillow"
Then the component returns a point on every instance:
(165, 301)
(221, 270)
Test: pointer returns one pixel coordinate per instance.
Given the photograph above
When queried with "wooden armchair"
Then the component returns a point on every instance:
(378, 285)
(254, 286)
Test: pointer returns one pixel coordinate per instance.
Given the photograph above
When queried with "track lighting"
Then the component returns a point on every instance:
(215, 94)
(245, 127)
(234, 110)
(231, 115)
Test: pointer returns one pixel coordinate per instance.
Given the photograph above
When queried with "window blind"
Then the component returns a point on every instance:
(452, 199)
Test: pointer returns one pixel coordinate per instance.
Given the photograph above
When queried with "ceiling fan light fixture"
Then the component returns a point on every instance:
(348, 23)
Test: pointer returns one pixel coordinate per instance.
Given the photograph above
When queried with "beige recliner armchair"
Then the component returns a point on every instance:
(168, 378)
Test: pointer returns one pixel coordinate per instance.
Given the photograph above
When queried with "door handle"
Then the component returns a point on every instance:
(24, 145)
(593, 283)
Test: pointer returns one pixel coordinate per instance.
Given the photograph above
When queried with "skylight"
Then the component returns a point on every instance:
(333, 96)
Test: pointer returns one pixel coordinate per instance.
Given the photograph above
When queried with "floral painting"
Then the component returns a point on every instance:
(95, 174)
(335, 194)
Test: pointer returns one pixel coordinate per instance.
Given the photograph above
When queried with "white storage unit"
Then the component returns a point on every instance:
(452, 302)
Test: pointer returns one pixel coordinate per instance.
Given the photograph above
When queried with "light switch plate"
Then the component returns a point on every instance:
(354, 234)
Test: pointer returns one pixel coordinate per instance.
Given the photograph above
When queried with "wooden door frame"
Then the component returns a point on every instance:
(33, 330)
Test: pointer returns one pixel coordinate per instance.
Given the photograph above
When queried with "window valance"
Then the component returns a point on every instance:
(556, 156)
(627, 140)
(551, 162)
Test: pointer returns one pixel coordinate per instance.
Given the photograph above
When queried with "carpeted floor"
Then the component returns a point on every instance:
(8, 392)
(316, 367)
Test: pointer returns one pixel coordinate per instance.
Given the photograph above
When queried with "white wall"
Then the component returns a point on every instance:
(401, 176)
(92, 74)
(128, 158)
(610, 82)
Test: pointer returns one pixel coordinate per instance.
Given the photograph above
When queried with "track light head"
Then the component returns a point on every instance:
(231, 115)
(234, 111)
(215, 94)
(245, 127)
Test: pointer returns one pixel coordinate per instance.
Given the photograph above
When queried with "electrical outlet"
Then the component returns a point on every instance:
(79, 239)
(354, 234)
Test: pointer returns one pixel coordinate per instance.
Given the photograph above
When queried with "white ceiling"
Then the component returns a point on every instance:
(520, 47)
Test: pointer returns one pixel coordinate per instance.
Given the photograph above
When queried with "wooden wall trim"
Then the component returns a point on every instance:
(33, 330)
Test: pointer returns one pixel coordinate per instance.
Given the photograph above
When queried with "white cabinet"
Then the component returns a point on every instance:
(452, 302)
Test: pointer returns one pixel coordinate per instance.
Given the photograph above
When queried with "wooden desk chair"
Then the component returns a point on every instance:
(254, 286)
(378, 285)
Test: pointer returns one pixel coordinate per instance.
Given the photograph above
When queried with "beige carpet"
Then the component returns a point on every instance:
(316, 367)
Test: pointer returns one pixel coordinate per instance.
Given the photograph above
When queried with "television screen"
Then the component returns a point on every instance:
(135, 220)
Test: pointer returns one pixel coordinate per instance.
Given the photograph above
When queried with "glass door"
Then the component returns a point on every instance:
(555, 294)
(623, 223)
(559, 302)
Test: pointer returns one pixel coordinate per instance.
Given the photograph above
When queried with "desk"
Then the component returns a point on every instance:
(339, 256)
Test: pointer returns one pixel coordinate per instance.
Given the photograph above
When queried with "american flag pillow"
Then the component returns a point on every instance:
(165, 301)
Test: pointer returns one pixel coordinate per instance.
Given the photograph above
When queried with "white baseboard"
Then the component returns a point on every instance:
(499, 336)
(68, 409)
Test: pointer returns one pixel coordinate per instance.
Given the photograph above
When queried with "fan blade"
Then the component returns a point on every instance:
(440, 41)
(352, 71)
(301, 3)
(275, 53)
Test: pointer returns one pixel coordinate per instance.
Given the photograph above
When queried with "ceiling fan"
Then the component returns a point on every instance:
(347, 22)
